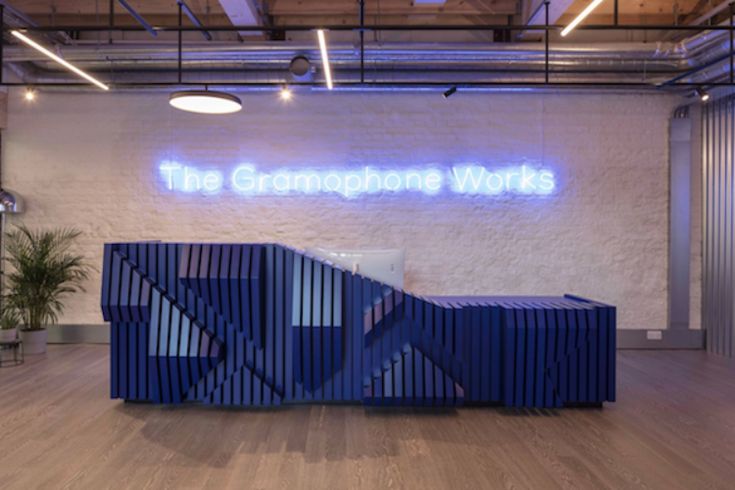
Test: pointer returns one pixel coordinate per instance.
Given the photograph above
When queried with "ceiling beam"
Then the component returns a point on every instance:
(534, 13)
(392, 7)
(557, 8)
(243, 13)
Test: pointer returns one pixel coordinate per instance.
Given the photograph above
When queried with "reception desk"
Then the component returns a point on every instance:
(264, 324)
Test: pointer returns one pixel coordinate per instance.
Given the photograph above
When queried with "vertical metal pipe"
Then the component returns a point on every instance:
(181, 41)
(704, 121)
(720, 227)
(362, 41)
(730, 207)
(546, 42)
(709, 227)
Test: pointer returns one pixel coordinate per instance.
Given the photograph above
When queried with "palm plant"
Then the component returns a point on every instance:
(9, 318)
(43, 271)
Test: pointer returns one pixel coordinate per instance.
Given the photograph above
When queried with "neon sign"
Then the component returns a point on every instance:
(462, 179)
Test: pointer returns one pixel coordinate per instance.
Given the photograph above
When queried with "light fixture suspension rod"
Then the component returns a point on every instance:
(180, 46)
(2, 40)
(111, 21)
(546, 42)
(138, 17)
(615, 13)
(194, 20)
(732, 41)
(362, 41)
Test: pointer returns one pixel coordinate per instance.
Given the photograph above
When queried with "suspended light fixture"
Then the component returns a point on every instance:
(30, 42)
(205, 102)
(325, 57)
(582, 15)
(450, 92)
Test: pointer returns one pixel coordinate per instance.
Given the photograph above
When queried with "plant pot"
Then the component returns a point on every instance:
(34, 341)
(7, 335)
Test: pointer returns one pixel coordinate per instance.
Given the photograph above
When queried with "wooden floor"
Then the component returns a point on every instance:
(673, 427)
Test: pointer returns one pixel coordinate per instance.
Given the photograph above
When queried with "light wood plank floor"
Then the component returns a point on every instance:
(673, 427)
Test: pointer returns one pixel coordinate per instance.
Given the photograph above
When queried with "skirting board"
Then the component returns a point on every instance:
(627, 339)
(79, 334)
(670, 339)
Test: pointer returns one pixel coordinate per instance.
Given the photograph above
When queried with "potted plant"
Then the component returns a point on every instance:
(42, 272)
(9, 321)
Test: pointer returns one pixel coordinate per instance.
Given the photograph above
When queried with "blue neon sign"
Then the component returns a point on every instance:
(461, 179)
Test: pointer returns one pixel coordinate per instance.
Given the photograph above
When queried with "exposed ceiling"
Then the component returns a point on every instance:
(472, 56)
(312, 12)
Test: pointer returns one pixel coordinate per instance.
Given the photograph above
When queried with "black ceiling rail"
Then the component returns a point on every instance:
(375, 27)
(386, 84)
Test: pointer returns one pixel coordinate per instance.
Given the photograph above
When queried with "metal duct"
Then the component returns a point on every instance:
(267, 62)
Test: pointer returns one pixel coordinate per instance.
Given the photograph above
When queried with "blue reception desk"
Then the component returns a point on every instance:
(264, 324)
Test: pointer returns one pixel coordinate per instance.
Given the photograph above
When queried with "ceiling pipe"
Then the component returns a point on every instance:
(711, 13)
(615, 60)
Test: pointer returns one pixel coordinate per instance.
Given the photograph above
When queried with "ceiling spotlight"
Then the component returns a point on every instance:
(450, 92)
(205, 102)
(702, 94)
(29, 95)
(285, 94)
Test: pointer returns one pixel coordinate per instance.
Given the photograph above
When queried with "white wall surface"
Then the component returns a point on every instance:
(90, 161)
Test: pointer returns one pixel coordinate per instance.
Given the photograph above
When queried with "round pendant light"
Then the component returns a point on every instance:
(205, 102)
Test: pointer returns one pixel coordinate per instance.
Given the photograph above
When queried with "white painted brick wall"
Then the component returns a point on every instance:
(90, 161)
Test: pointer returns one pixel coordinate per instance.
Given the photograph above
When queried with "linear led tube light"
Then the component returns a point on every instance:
(325, 58)
(30, 42)
(583, 15)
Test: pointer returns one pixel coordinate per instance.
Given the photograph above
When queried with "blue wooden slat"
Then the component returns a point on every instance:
(509, 393)
(246, 310)
(133, 361)
(530, 365)
(611, 353)
(269, 316)
(563, 356)
(485, 364)
(552, 372)
(573, 342)
(541, 364)
(254, 281)
(106, 280)
(496, 357)
(289, 303)
(115, 391)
